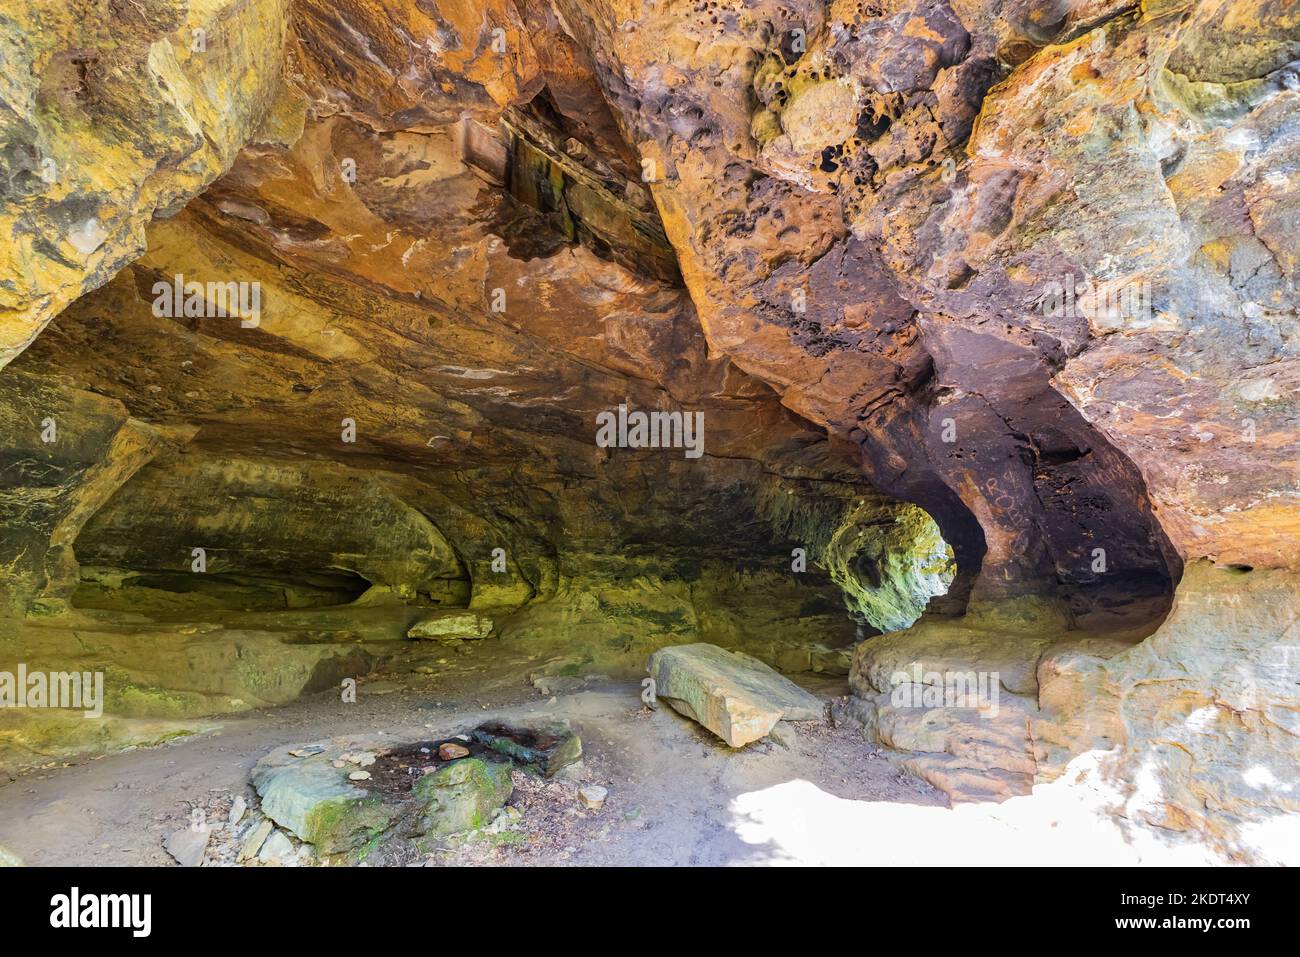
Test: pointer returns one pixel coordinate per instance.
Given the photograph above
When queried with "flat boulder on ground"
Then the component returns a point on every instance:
(737, 697)
(451, 625)
(317, 802)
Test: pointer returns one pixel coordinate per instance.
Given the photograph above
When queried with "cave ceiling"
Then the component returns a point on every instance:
(843, 232)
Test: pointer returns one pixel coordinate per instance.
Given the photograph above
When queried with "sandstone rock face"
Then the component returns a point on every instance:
(383, 423)
(114, 113)
(53, 487)
(958, 698)
(817, 269)
(986, 309)
(737, 697)
(1201, 717)
(1194, 726)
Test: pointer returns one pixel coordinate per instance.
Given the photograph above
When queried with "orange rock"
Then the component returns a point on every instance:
(451, 751)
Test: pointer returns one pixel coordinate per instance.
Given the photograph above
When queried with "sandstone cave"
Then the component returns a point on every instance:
(944, 345)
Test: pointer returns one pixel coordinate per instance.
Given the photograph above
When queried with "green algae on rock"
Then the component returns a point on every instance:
(317, 802)
(462, 795)
(544, 749)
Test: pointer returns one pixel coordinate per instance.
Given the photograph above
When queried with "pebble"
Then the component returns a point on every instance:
(783, 734)
(237, 809)
(278, 847)
(188, 845)
(256, 838)
(592, 796)
(359, 776)
(450, 752)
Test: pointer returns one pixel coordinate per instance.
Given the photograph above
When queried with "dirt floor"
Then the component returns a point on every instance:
(677, 795)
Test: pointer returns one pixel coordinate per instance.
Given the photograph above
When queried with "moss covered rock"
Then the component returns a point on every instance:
(544, 750)
(461, 796)
(316, 801)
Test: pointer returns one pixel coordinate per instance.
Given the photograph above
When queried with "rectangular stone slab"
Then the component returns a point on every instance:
(737, 697)
(454, 625)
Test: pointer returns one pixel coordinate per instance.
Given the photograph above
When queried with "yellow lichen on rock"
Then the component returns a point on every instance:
(113, 117)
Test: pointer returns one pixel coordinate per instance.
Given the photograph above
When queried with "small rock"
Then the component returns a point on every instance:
(254, 841)
(592, 796)
(505, 819)
(573, 773)
(188, 845)
(237, 809)
(278, 848)
(783, 733)
(450, 752)
(359, 776)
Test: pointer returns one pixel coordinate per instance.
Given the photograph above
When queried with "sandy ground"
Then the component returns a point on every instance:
(677, 796)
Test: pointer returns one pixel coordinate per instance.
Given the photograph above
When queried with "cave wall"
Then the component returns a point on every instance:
(842, 232)
(66, 452)
(265, 519)
(876, 208)
(115, 112)
(1202, 714)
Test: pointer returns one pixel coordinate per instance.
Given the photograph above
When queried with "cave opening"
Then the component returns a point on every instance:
(169, 593)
